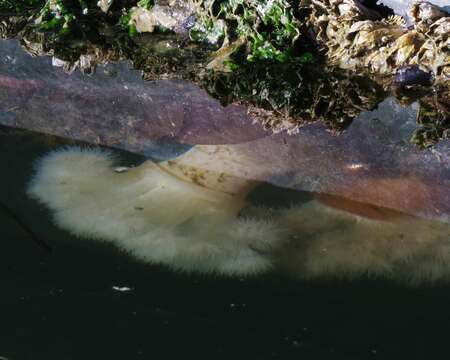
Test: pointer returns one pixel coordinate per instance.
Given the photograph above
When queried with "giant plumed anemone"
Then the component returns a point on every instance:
(155, 213)
(331, 242)
(192, 215)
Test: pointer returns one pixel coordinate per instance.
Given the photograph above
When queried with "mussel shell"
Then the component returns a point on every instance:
(410, 75)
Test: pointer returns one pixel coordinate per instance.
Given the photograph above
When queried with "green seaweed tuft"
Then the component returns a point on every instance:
(269, 27)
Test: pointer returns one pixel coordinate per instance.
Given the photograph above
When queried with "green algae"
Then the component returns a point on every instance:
(21, 6)
(434, 125)
(241, 51)
(125, 19)
(267, 30)
(310, 93)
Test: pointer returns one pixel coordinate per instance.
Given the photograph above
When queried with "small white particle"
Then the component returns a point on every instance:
(355, 166)
(121, 169)
(122, 288)
(296, 343)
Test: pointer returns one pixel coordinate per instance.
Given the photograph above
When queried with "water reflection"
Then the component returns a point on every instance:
(370, 202)
(114, 107)
(166, 118)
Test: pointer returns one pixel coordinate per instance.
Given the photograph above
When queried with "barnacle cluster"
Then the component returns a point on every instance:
(358, 38)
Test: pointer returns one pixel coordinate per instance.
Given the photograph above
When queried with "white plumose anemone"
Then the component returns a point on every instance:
(185, 214)
(333, 243)
(152, 214)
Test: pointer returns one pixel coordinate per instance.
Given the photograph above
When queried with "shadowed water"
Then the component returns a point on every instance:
(89, 292)
(268, 245)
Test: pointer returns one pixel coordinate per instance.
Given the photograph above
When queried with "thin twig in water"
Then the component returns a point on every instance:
(41, 243)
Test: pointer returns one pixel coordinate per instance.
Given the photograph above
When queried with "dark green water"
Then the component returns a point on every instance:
(344, 286)
(62, 304)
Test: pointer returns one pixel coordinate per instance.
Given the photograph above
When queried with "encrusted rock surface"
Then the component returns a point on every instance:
(356, 38)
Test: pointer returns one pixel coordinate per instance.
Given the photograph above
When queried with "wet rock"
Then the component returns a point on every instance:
(401, 7)
(410, 75)
(426, 12)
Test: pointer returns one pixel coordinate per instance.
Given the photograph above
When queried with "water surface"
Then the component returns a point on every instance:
(220, 240)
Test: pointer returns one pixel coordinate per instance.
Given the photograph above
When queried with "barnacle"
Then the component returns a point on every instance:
(358, 38)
